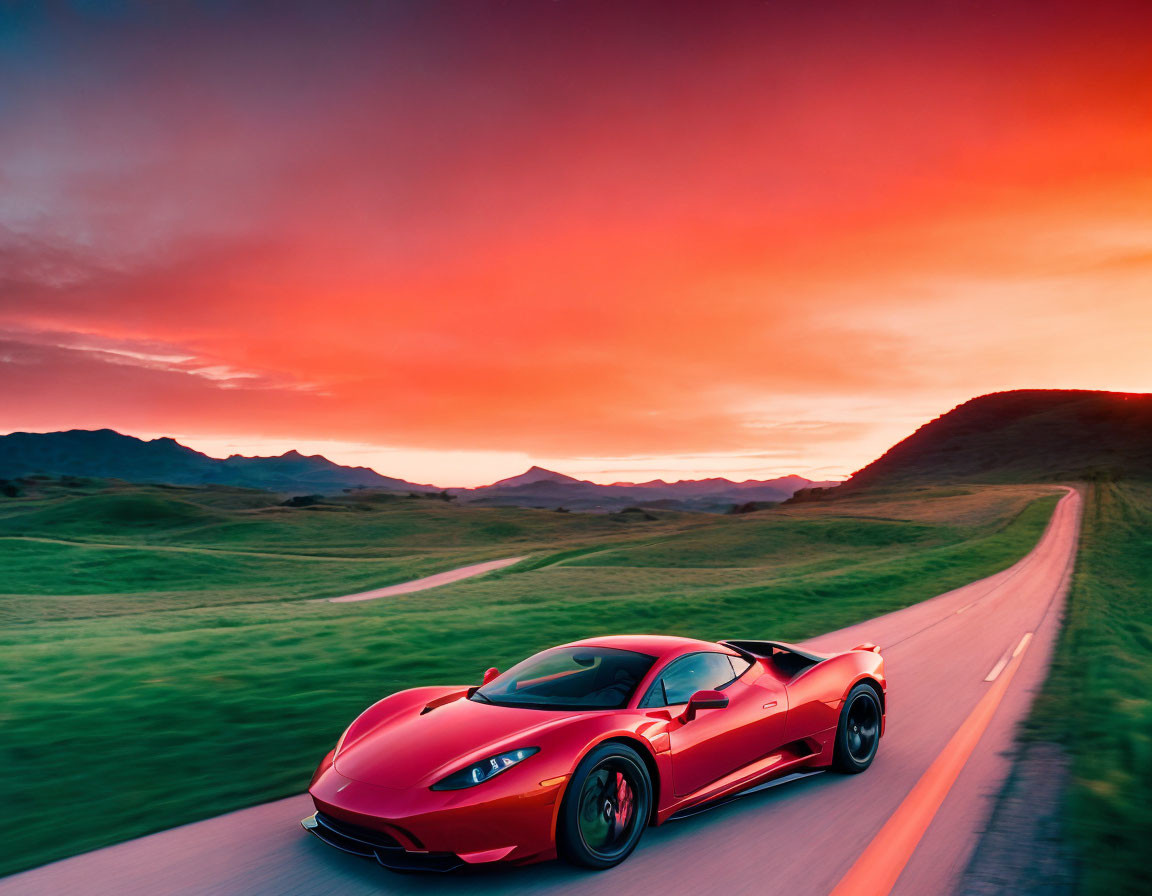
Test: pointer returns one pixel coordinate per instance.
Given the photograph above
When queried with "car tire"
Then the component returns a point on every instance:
(606, 807)
(858, 731)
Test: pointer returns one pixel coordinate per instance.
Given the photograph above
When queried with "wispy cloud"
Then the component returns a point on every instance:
(38, 346)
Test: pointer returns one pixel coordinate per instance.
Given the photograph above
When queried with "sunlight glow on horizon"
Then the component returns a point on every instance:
(467, 469)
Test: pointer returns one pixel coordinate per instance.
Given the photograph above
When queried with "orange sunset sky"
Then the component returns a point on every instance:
(623, 240)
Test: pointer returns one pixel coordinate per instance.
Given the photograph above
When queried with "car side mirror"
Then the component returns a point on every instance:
(703, 700)
(490, 675)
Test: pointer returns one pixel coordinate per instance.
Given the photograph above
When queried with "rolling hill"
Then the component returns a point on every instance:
(1033, 435)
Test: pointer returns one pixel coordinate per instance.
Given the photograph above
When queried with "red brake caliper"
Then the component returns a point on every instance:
(623, 802)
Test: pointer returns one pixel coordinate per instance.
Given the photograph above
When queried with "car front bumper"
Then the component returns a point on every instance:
(375, 844)
(509, 819)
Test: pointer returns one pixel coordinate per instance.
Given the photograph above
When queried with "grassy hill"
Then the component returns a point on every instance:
(154, 640)
(1029, 435)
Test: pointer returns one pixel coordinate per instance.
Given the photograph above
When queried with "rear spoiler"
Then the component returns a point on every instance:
(758, 649)
(787, 658)
(753, 650)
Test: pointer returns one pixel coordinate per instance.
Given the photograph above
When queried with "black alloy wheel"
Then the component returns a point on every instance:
(606, 807)
(858, 734)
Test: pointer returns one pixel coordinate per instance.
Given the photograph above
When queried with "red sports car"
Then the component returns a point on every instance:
(578, 748)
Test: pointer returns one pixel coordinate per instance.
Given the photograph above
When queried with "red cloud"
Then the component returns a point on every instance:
(561, 230)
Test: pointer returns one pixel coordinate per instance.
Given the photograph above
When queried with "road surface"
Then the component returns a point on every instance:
(951, 671)
(434, 581)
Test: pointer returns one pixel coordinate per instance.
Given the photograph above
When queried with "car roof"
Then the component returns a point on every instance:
(659, 646)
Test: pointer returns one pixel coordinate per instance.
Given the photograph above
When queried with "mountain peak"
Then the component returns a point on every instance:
(531, 475)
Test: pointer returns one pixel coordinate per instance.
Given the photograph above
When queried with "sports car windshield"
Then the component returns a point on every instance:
(570, 678)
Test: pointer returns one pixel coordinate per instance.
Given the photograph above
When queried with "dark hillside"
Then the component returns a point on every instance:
(107, 454)
(1030, 435)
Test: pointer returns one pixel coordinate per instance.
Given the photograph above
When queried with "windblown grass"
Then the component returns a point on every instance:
(1097, 702)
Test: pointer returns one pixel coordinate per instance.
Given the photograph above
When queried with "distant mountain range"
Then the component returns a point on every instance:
(107, 454)
(1027, 435)
(545, 488)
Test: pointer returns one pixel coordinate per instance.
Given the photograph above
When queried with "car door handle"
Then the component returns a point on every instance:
(769, 705)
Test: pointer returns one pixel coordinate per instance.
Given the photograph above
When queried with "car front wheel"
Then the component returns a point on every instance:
(606, 807)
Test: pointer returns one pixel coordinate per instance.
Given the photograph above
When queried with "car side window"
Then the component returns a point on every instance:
(740, 665)
(689, 674)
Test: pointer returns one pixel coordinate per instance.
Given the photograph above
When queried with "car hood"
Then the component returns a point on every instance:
(414, 749)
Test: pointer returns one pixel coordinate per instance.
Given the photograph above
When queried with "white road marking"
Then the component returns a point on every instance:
(998, 668)
(1004, 660)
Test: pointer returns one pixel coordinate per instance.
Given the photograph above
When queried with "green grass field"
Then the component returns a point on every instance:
(1097, 702)
(162, 658)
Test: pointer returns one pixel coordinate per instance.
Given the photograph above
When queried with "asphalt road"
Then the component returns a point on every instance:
(922, 802)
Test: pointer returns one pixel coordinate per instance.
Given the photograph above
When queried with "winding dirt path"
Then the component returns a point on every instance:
(434, 581)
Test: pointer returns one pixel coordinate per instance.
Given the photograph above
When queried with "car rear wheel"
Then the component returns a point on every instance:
(858, 734)
(606, 807)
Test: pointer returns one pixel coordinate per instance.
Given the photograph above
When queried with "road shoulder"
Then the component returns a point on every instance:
(1022, 851)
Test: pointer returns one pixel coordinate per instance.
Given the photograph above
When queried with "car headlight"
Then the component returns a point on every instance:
(481, 771)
